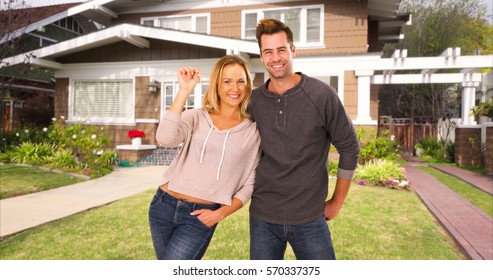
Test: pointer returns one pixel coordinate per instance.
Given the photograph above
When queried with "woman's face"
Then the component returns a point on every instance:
(232, 86)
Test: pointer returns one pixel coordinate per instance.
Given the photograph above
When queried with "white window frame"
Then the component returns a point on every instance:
(197, 95)
(42, 39)
(130, 120)
(303, 24)
(157, 22)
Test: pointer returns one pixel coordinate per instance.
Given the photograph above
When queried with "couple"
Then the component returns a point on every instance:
(222, 157)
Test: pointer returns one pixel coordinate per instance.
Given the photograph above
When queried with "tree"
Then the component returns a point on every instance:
(14, 18)
(13, 21)
(437, 25)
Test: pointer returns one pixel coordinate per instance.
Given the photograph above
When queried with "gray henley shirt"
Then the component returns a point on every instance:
(297, 129)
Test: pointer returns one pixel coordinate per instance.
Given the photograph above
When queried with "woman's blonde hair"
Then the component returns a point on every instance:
(210, 102)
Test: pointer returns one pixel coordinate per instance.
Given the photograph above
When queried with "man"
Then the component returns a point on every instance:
(298, 117)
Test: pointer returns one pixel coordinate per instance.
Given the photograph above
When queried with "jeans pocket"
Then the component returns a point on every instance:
(202, 223)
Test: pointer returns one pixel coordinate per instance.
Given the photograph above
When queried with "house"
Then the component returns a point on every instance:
(123, 75)
(108, 75)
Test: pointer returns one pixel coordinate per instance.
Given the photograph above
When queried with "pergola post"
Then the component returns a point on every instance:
(364, 79)
(468, 99)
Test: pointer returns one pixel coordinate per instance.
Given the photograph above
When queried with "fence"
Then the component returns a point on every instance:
(407, 131)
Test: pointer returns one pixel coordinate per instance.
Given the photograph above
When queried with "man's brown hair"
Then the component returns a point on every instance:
(272, 26)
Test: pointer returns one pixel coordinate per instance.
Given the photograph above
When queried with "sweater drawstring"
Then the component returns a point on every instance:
(222, 155)
(205, 143)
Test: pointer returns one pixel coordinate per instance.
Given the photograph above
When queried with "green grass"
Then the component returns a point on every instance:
(18, 180)
(375, 224)
(477, 197)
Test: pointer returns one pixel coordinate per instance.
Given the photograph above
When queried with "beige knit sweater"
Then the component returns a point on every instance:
(212, 165)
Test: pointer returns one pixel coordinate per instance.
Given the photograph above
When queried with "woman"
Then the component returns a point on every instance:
(213, 174)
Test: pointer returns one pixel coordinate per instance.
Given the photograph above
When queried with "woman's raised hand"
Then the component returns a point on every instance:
(188, 77)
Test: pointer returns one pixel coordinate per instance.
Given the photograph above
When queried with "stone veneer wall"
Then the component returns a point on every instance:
(489, 151)
(159, 156)
(468, 146)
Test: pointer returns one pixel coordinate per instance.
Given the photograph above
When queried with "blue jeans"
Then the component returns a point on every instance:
(177, 235)
(310, 241)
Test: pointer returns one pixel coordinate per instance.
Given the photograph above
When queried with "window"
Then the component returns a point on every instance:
(198, 23)
(41, 41)
(69, 23)
(193, 101)
(104, 101)
(304, 21)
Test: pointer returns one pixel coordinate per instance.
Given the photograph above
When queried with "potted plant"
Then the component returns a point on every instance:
(136, 136)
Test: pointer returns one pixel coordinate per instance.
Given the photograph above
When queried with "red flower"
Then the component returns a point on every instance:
(136, 133)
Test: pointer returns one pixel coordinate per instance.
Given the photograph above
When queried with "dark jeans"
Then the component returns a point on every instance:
(177, 235)
(310, 241)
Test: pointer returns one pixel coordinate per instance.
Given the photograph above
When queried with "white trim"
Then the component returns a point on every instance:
(39, 62)
(113, 34)
(146, 121)
(440, 78)
(180, 5)
(193, 21)
(136, 147)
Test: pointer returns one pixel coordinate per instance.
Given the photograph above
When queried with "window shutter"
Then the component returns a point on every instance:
(313, 26)
(250, 25)
(201, 25)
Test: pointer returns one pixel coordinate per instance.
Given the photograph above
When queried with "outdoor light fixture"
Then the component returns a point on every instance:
(153, 86)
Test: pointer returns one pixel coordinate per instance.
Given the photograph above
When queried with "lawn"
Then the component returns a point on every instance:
(18, 180)
(375, 224)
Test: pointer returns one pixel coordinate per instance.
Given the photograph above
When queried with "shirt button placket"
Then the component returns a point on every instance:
(280, 117)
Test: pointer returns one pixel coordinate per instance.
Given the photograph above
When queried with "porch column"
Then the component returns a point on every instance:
(468, 99)
(364, 77)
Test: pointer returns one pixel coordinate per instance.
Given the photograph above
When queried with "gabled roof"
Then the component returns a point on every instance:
(103, 11)
(26, 20)
(134, 34)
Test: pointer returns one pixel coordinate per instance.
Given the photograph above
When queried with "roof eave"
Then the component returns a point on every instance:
(134, 34)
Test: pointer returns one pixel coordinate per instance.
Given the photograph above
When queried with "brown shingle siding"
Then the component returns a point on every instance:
(345, 23)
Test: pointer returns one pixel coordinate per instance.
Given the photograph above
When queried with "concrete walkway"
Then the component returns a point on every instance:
(471, 228)
(23, 212)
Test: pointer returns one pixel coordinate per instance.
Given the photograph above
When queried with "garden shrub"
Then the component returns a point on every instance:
(63, 159)
(79, 147)
(10, 139)
(377, 147)
(439, 150)
(386, 173)
(32, 153)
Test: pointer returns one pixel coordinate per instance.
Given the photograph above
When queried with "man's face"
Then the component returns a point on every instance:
(277, 55)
